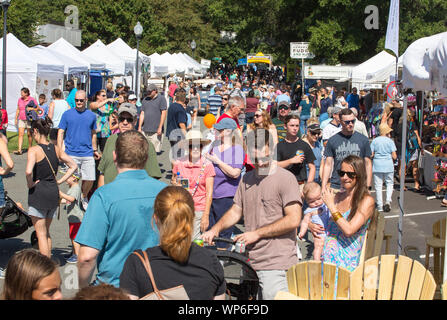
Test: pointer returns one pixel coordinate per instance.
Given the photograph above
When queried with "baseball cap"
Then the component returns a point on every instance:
(283, 103)
(314, 127)
(226, 123)
(152, 87)
(119, 85)
(132, 97)
(128, 107)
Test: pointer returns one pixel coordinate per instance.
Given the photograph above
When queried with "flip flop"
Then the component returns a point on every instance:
(18, 152)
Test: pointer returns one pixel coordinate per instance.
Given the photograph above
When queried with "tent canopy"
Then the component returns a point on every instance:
(425, 64)
(67, 49)
(70, 65)
(259, 58)
(379, 62)
(114, 63)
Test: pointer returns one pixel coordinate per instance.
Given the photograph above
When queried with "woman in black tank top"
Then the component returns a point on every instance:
(41, 172)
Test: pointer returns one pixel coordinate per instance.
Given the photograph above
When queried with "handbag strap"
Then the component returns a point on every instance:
(148, 268)
(54, 173)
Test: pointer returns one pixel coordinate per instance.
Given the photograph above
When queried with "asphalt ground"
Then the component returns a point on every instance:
(419, 216)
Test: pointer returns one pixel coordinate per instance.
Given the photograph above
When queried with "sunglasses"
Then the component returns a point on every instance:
(350, 174)
(103, 95)
(225, 99)
(128, 119)
(347, 122)
(79, 100)
(314, 133)
(258, 115)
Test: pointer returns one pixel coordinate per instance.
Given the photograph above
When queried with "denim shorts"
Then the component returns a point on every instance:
(43, 214)
(2, 194)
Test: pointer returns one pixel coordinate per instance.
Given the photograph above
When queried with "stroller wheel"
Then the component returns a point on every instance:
(33, 240)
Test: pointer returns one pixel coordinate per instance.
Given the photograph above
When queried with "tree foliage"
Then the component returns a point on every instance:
(334, 28)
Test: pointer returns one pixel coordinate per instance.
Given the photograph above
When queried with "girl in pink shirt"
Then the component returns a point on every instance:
(196, 174)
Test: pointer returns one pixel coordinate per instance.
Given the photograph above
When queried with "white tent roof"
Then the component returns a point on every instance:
(174, 64)
(384, 74)
(20, 58)
(370, 66)
(159, 67)
(425, 64)
(114, 63)
(63, 46)
(198, 66)
(70, 65)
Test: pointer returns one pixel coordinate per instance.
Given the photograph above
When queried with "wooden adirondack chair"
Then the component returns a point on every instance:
(437, 242)
(374, 238)
(307, 281)
(408, 281)
(444, 289)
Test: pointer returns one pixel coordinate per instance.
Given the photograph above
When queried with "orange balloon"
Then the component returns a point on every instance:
(209, 120)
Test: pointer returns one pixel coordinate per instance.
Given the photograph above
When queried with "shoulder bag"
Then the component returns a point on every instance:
(175, 293)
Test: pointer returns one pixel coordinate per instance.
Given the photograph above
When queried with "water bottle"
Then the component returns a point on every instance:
(179, 178)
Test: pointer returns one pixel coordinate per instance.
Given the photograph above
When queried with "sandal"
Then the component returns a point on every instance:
(18, 152)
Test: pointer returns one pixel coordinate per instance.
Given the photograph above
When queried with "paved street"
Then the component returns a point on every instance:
(420, 214)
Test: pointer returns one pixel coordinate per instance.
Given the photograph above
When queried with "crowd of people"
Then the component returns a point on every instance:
(278, 160)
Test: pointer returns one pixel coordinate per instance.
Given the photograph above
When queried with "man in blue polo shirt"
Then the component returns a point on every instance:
(118, 220)
(79, 126)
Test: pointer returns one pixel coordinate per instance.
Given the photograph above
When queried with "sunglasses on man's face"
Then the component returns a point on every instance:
(79, 100)
(350, 174)
(348, 122)
(283, 108)
(226, 99)
(128, 119)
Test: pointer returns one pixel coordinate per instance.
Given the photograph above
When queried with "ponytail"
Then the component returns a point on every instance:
(42, 125)
(174, 207)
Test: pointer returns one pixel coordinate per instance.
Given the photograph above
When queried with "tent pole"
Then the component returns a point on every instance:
(402, 174)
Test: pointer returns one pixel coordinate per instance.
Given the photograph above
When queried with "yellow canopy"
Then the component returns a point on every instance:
(259, 58)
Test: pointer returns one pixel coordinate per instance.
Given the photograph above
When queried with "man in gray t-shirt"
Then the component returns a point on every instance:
(345, 143)
(152, 117)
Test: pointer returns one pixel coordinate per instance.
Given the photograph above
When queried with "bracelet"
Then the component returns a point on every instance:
(336, 215)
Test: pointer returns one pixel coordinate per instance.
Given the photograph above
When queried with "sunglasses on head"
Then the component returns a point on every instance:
(128, 119)
(79, 100)
(350, 174)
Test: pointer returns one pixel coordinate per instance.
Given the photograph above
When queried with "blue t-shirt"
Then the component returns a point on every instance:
(78, 127)
(176, 115)
(119, 221)
(382, 148)
(305, 108)
(71, 98)
(353, 101)
(325, 104)
(340, 146)
(215, 103)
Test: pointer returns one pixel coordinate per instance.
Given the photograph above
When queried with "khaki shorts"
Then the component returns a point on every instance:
(24, 124)
(155, 139)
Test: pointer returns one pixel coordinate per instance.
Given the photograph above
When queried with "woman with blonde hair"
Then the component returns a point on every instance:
(31, 276)
(262, 120)
(176, 260)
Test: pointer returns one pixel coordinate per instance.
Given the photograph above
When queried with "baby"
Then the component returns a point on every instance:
(318, 213)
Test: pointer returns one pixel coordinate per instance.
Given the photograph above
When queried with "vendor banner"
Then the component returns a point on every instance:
(392, 32)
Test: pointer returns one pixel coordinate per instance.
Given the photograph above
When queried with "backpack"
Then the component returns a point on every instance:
(31, 115)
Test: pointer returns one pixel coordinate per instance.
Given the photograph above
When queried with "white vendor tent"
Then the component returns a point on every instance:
(64, 47)
(25, 69)
(425, 64)
(159, 68)
(70, 65)
(98, 50)
(175, 66)
(376, 63)
(198, 67)
(385, 74)
(123, 51)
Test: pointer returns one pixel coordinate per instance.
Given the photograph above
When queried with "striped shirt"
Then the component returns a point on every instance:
(215, 103)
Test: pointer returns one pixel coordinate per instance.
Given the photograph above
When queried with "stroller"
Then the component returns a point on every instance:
(14, 221)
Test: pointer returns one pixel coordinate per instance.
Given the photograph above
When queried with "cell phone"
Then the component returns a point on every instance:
(184, 183)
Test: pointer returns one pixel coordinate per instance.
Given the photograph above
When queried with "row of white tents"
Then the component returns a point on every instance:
(42, 69)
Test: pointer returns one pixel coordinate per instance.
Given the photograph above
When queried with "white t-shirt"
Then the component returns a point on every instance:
(330, 130)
